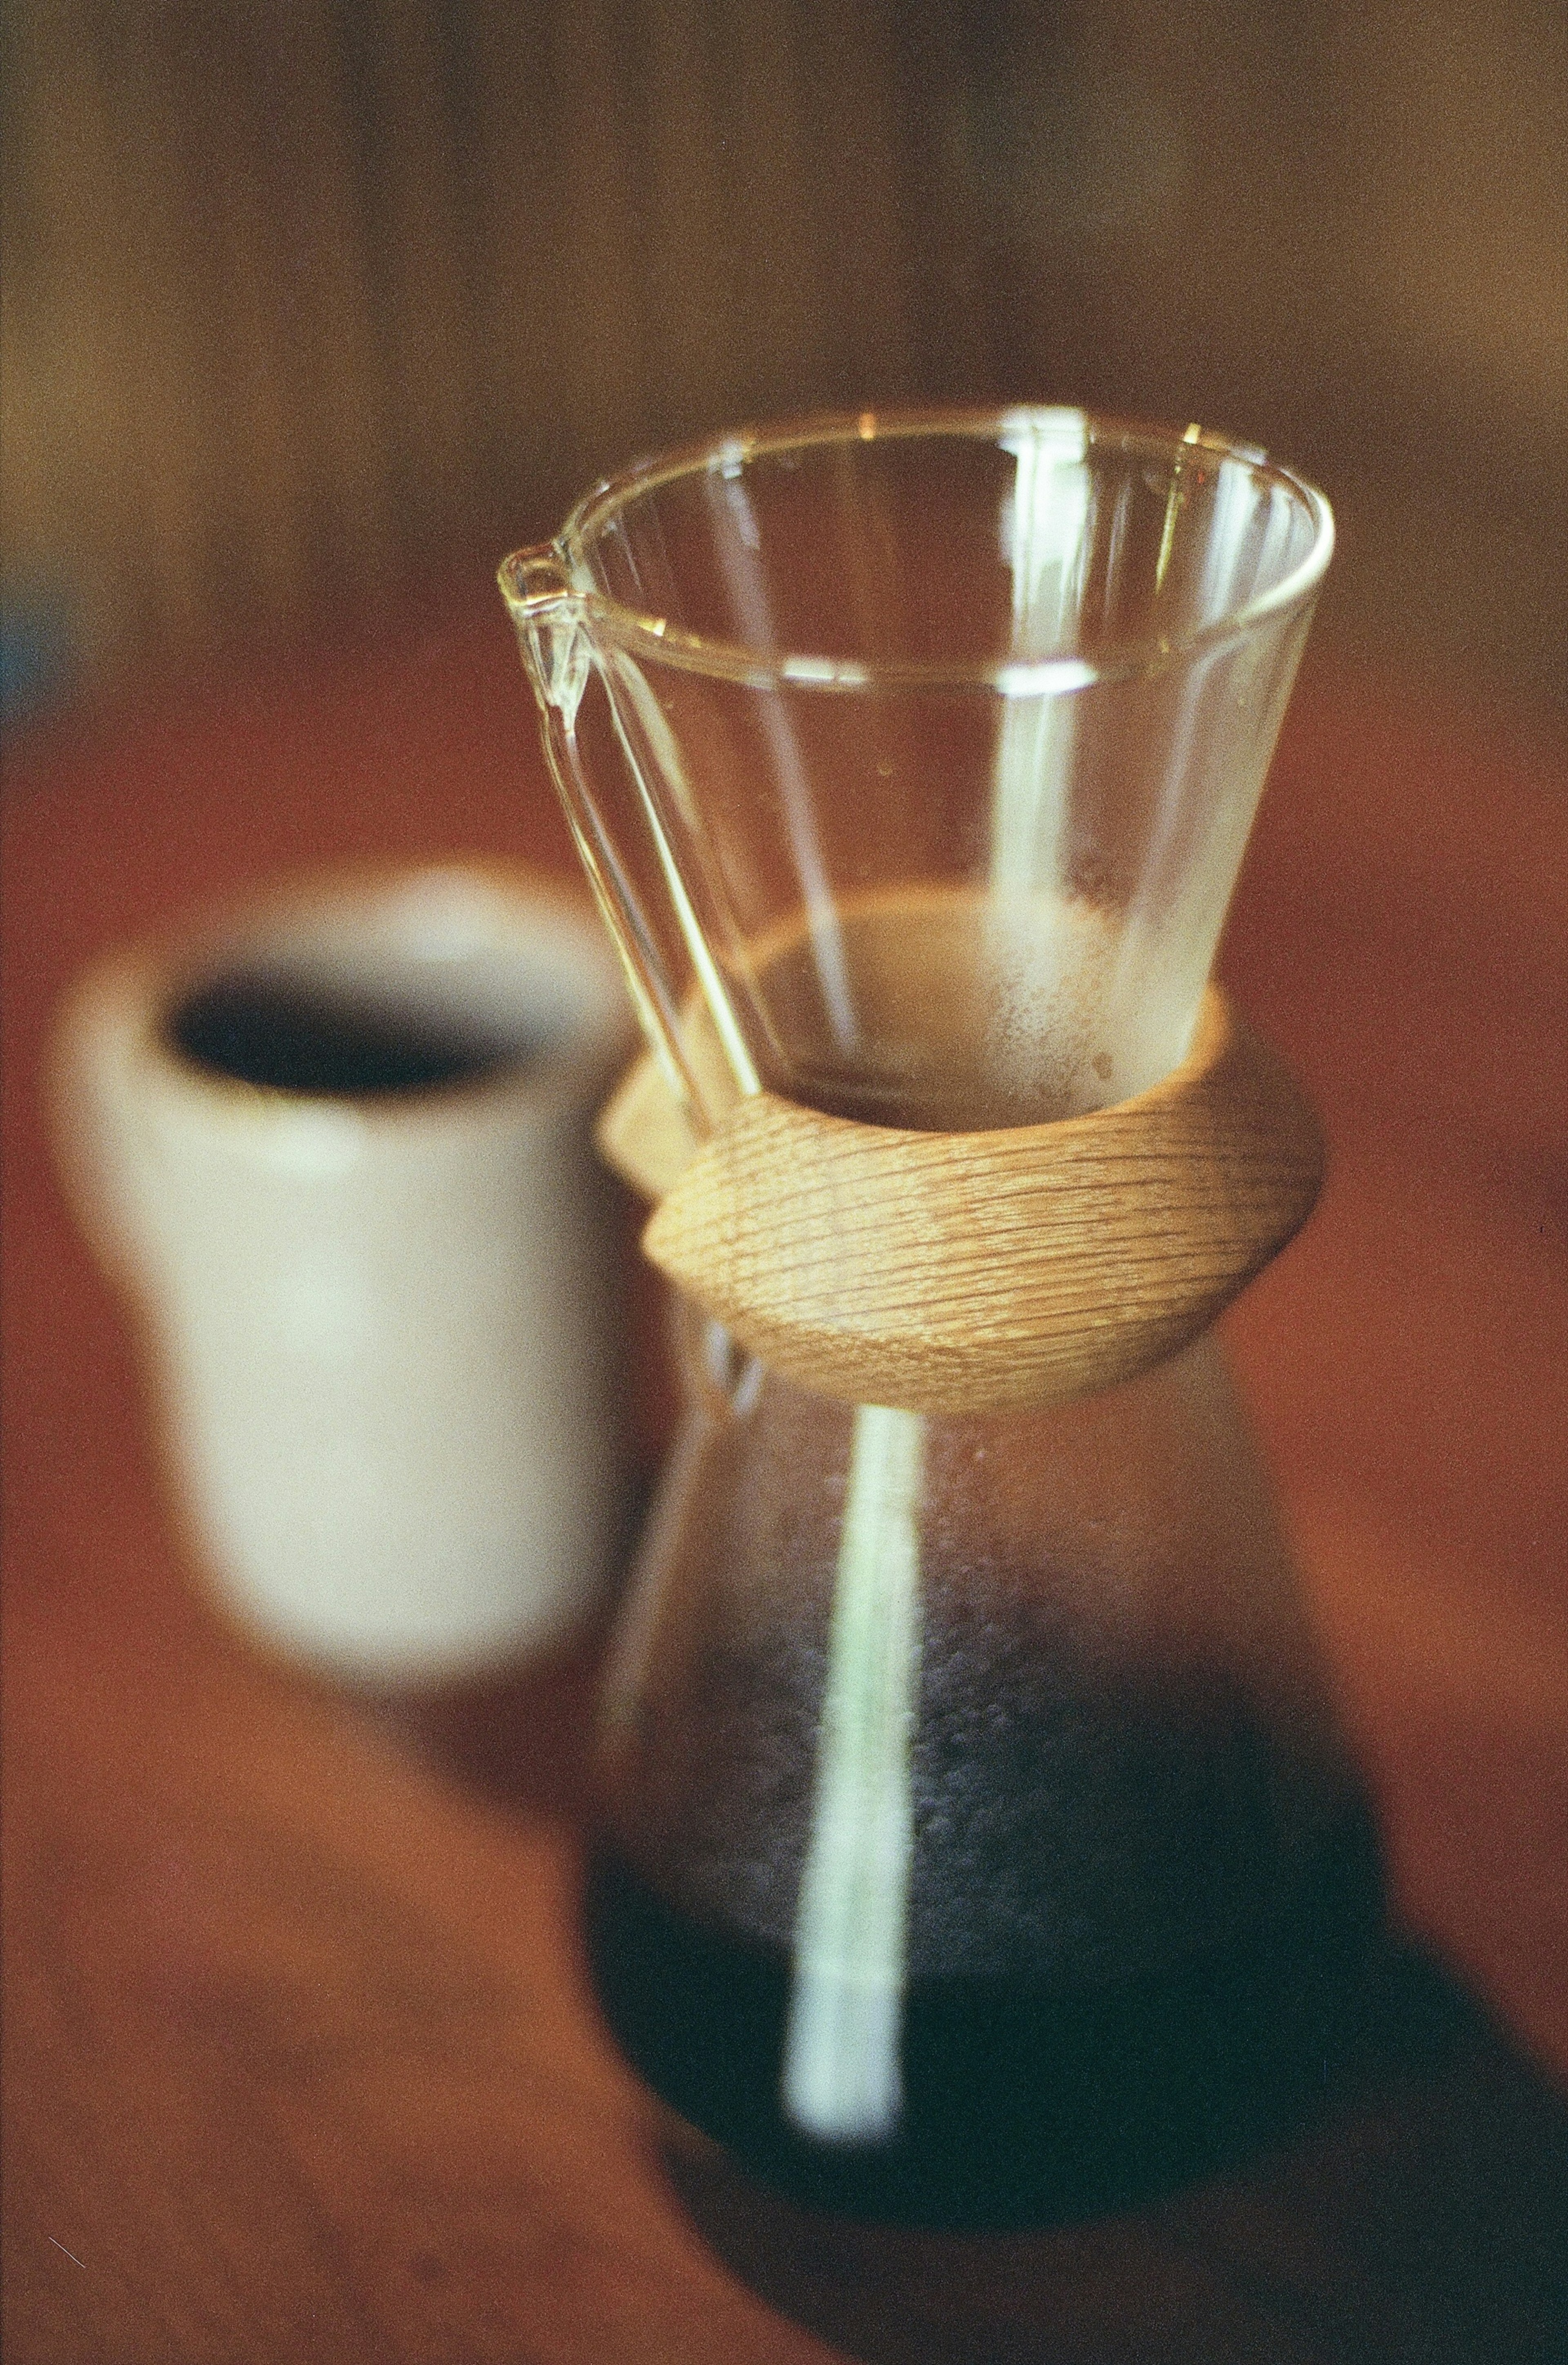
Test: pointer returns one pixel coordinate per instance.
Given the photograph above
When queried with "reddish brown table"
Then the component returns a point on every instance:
(301, 2063)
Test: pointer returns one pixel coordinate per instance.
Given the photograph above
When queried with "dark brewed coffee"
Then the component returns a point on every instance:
(293, 1038)
(1144, 1895)
(1023, 2102)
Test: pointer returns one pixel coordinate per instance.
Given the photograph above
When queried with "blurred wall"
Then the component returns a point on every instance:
(307, 299)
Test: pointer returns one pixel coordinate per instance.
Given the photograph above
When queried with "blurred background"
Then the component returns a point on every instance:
(311, 305)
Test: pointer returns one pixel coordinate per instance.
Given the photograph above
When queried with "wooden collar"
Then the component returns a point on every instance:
(977, 1271)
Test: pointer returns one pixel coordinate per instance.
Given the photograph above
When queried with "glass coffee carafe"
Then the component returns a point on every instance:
(976, 1843)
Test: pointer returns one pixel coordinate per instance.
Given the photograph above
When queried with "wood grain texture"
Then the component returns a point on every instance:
(643, 1133)
(983, 1271)
(301, 2060)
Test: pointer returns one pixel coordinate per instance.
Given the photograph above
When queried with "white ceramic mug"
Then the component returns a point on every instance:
(381, 1324)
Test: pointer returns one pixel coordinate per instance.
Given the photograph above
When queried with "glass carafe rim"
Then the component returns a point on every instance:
(656, 637)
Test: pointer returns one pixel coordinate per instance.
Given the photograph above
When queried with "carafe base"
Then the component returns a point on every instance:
(1024, 2105)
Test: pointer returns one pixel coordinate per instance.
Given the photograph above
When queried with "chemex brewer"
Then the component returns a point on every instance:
(975, 1842)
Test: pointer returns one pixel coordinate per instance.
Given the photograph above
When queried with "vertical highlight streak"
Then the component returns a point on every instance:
(1046, 553)
(842, 2080)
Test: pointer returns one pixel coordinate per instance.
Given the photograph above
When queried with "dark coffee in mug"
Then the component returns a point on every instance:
(290, 1036)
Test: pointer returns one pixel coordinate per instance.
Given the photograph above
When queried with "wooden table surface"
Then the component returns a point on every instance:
(300, 2059)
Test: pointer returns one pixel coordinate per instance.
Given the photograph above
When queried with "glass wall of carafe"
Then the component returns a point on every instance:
(977, 1843)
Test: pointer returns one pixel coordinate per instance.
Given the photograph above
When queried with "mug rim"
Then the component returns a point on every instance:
(134, 992)
(656, 638)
